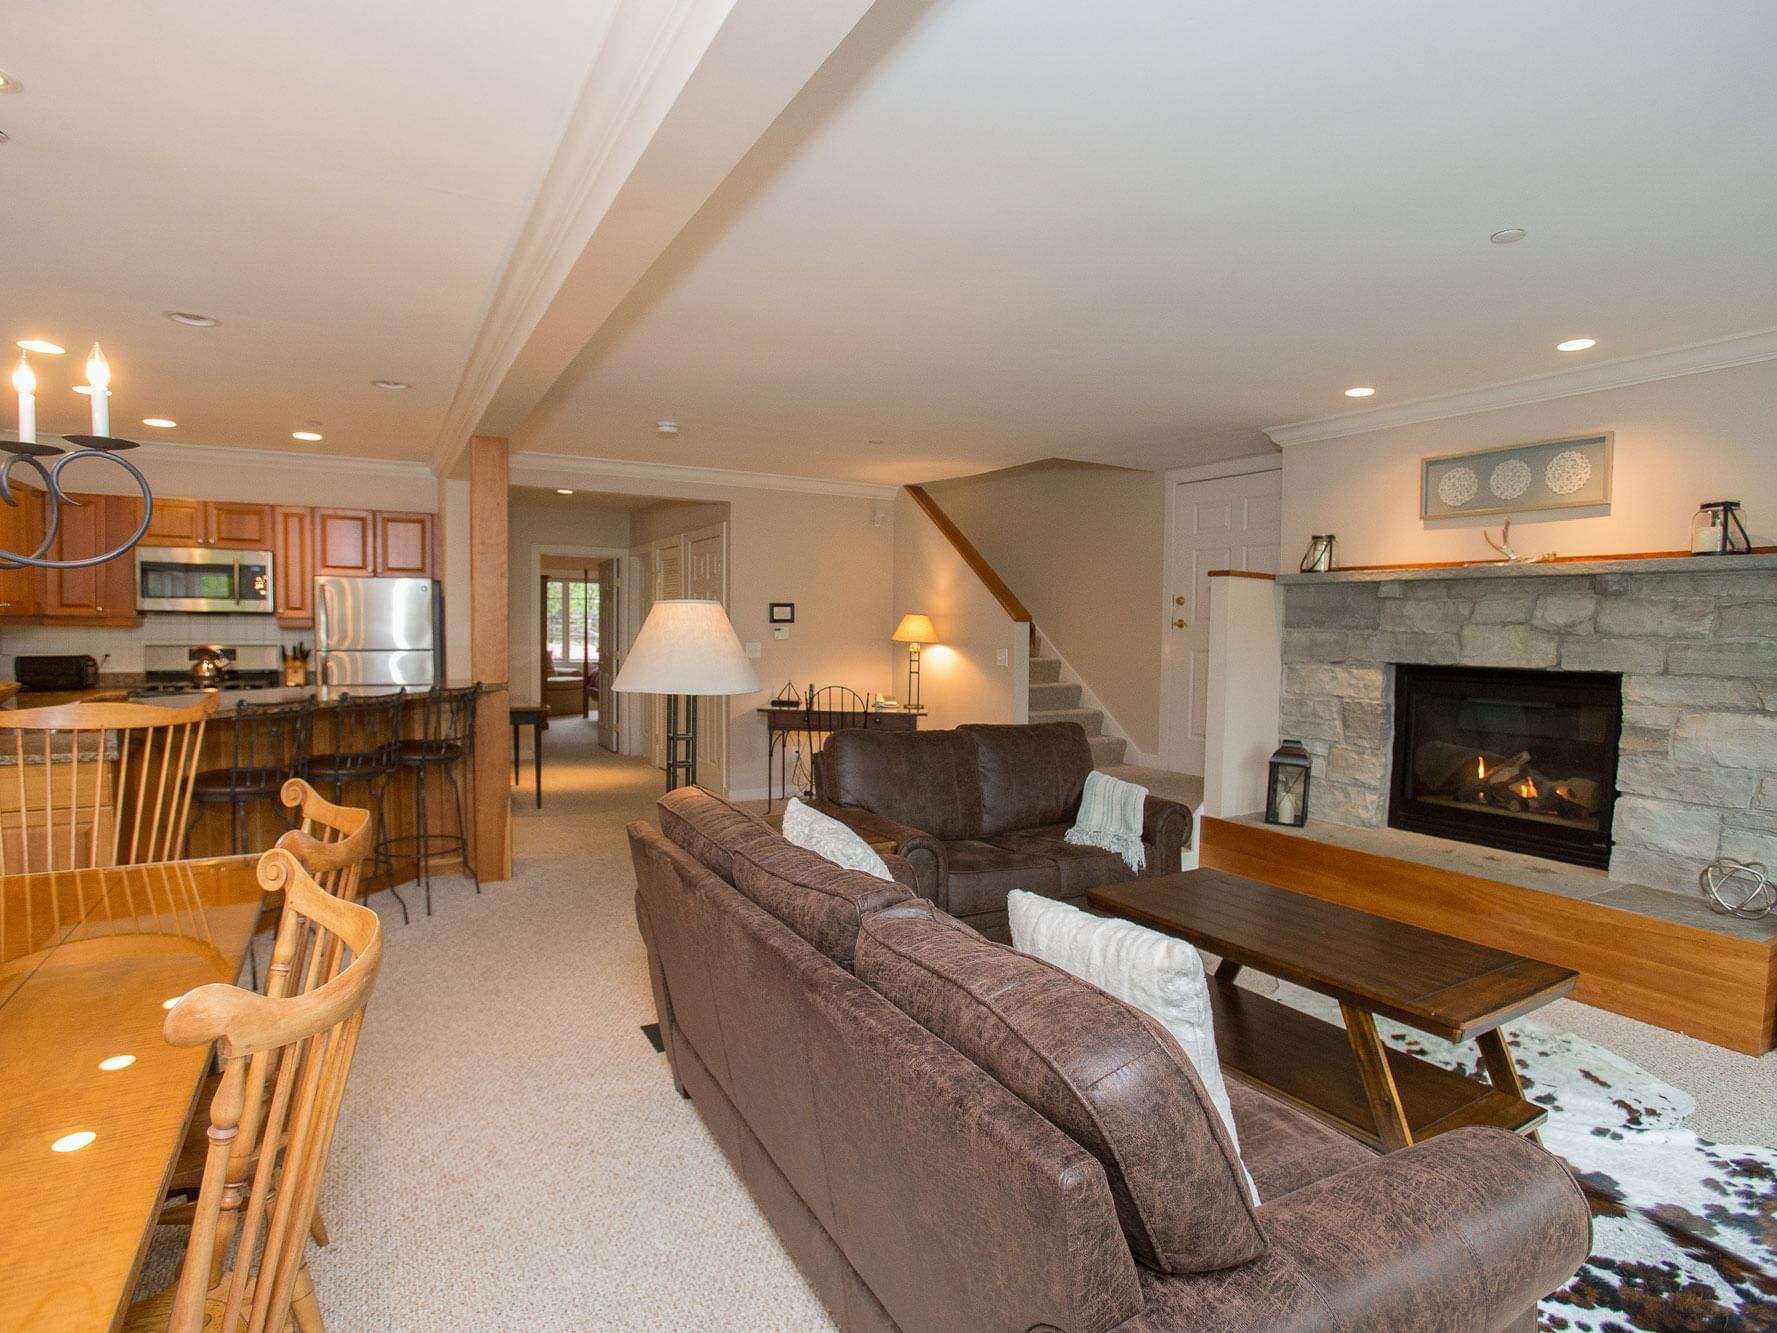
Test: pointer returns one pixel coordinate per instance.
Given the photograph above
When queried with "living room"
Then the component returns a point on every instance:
(1277, 497)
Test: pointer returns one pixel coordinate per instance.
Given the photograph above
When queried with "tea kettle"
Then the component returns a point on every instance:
(208, 668)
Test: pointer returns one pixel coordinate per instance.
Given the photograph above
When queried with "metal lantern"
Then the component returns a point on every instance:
(1718, 530)
(1286, 795)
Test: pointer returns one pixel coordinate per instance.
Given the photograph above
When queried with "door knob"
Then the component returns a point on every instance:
(1180, 624)
(1179, 600)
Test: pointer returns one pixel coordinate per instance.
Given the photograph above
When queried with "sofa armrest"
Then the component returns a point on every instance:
(1461, 1233)
(921, 850)
(1165, 828)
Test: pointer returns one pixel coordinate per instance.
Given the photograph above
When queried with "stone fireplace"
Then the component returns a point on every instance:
(1690, 644)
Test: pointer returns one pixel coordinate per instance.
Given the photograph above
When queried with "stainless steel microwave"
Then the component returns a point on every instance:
(197, 578)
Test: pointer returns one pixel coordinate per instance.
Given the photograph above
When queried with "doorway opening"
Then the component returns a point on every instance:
(570, 656)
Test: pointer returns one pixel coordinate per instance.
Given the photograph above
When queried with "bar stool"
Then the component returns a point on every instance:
(270, 746)
(366, 748)
(446, 740)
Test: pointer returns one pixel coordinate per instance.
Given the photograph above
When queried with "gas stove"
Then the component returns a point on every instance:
(167, 668)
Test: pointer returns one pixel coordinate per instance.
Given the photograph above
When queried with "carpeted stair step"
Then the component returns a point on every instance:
(1107, 750)
(1045, 670)
(1049, 698)
(1089, 718)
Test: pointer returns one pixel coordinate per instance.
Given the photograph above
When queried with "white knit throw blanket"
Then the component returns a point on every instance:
(1110, 817)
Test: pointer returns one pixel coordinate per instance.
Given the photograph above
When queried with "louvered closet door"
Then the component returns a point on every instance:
(707, 577)
(668, 582)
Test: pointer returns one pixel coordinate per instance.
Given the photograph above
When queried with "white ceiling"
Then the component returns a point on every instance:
(1142, 233)
(339, 182)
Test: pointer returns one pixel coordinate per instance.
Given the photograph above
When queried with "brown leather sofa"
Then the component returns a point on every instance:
(983, 810)
(950, 1135)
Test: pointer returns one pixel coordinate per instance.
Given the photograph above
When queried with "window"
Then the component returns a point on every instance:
(571, 620)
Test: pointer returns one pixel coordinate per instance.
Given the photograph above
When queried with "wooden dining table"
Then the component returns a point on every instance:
(93, 1102)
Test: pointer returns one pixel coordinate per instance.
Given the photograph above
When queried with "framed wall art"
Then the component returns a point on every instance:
(1517, 479)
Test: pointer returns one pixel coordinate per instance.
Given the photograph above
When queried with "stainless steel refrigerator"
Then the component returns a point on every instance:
(378, 632)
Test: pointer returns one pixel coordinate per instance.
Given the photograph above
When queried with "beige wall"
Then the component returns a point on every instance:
(556, 525)
(1083, 549)
(1678, 442)
(961, 679)
(669, 518)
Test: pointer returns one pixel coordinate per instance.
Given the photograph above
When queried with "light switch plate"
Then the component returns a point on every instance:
(753, 650)
(1003, 657)
(780, 631)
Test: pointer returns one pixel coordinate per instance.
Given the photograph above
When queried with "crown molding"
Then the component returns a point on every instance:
(548, 467)
(1692, 359)
(229, 455)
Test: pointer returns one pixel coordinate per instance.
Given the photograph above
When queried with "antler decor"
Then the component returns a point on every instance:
(30, 455)
(1504, 547)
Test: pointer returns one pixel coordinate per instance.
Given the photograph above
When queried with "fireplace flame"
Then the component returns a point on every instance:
(1526, 789)
(1481, 767)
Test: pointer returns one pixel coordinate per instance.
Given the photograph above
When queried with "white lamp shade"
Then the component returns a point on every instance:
(687, 647)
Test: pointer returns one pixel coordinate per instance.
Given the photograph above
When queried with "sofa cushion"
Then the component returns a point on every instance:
(925, 779)
(981, 875)
(831, 840)
(1029, 775)
(1286, 1149)
(710, 828)
(1106, 1074)
(820, 901)
(1080, 868)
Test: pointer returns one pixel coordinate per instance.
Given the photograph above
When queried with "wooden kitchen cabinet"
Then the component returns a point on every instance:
(21, 528)
(344, 542)
(404, 545)
(175, 523)
(293, 553)
(95, 594)
(237, 527)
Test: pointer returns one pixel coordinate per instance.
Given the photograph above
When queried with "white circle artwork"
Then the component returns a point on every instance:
(1458, 486)
(1510, 479)
(1567, 472)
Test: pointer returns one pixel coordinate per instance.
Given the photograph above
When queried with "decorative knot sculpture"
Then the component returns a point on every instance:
(1739, 888)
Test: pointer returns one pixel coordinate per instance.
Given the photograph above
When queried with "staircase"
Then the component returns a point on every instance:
(1053, 700)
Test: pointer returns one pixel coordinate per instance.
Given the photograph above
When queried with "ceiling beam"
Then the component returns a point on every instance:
(677, 96)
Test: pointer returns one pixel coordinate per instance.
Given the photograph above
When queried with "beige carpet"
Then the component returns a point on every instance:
(512, 1154)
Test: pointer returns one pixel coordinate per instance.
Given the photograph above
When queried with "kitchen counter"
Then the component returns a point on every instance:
(325, 696)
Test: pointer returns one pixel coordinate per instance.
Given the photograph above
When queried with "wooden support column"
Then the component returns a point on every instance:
(489, 631)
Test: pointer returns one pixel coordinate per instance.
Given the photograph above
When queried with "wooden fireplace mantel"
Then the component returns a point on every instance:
(1715, 985)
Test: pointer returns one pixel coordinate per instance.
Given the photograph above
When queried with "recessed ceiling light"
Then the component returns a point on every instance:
(1508, 236)
(116, 1062)
(562, 490)
(159, 423)
(308, 435)
(190, 320)
(1576, 344)
(1361, 391)
(666, 428)
(42, 346)
(390, 384)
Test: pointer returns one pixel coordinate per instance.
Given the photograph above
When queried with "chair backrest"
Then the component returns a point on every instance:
(366, 734)
(273, 740)
(285, 1060)
(332, 841)
(829, 709)
(98, 784)
(447, 716)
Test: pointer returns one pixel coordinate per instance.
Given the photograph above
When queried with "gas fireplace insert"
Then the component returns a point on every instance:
(1521, 760)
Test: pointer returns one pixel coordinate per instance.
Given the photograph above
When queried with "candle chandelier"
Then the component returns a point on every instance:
(28, 454)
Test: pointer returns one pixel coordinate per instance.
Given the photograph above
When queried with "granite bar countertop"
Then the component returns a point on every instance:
(1765, 562)
(324, 696)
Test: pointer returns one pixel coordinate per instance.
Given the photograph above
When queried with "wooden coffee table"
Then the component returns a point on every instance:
(1372, 966)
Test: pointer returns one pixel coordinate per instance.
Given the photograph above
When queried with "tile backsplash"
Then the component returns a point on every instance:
(124, 646)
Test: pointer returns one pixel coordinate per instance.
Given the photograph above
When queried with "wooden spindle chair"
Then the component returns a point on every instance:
(99, 784)
(332, 844)
(286, 1057)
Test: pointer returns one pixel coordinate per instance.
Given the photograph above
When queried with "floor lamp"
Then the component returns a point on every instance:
(686, 648)
(914, 630)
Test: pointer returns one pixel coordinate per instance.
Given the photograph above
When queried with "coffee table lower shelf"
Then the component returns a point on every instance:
(1308, 1063)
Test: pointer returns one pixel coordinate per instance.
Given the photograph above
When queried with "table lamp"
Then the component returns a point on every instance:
(686, 647)
(914, 630)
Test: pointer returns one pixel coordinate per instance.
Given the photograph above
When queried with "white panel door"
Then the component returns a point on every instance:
(1228, 523)
(610, 635)
(667, 570)
(706, 576)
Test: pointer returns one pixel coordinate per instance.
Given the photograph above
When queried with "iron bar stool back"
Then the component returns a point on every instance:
(829, 709)
(269, 746)
(366, 748)
(446, 742)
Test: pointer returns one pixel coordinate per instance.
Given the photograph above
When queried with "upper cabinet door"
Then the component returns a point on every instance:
(404, 545)
(21, 528)
(344, 542)
(293, 553)
(237, 527)
(175, 523)
(104, 593)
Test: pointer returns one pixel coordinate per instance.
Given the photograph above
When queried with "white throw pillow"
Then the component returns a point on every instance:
(1160, 975)
(825, 836)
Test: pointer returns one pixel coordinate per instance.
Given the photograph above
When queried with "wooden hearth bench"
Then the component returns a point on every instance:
(1372, 967)
(1663, 958)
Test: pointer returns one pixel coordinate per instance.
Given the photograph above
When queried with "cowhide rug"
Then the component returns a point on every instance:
(1684, 1231)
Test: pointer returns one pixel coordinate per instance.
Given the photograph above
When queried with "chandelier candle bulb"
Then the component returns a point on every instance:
(24, 379)
(98, 379)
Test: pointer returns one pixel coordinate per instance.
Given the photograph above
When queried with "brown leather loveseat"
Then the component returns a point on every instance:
(949, 1135)
(983, 810)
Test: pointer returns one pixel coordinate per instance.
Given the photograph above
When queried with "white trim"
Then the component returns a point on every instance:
(235, 456)
(540, 469)
(1232, 467)
(1692, 359)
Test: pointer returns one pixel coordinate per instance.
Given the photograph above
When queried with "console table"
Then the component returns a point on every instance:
(783, 721)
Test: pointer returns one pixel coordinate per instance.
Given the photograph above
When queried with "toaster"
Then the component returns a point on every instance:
(56, 671)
